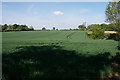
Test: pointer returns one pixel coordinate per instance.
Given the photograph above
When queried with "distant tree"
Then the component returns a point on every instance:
(75, 29)
(90, 27)
(53, 28)
(43, 28)
(103, 25)
(20, 28)
(10, 27)
(81, 27)
(31, 28)
(4, 27)
(24, 28)
(15, 26)
(70, 29)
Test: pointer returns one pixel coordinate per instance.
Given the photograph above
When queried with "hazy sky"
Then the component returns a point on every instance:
(62, 15)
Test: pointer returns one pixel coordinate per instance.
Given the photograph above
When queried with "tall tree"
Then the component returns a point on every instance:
(112, 12)
(113, 16)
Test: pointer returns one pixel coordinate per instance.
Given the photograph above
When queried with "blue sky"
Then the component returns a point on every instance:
(62, 15)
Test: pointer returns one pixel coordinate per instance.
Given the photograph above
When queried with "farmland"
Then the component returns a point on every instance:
(70, 40)
(55, 54)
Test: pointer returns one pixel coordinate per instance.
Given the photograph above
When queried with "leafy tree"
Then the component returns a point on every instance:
(24, 28)
(81, 27)
(91, 27)
(113, 16)
(70, 29)
(112, 27)
(43, 28)
(10, 27)
(4, 27)
(15, 26)
(31, 28)
(112, 12)
(53, 28)
(104, 26)
(97, 31)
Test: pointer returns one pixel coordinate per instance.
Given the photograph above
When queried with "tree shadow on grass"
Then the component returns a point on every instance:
(52, 62)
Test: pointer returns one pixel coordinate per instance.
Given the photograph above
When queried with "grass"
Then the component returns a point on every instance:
(70, 40)
(56, 55)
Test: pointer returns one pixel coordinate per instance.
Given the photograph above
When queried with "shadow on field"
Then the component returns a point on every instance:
(52, 62)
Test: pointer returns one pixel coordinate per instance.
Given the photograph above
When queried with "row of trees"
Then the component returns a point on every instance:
(106, 27)
(47, 29)
(16, 27)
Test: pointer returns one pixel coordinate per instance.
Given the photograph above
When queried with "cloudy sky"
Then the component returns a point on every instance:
(62, 15)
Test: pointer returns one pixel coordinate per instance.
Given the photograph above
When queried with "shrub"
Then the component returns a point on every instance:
(97, 32)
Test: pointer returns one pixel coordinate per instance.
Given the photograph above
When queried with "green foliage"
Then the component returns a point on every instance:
(53, 28)
(113, 16)
(4, 27)
(43, 28)
(81, 27)
(107, 27)
(16, 27)
(112, 12)
(97, 31)
(31, 28)
(112, 27)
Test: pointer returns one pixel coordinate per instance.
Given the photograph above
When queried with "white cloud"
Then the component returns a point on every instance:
(83, 11)
(58, 13)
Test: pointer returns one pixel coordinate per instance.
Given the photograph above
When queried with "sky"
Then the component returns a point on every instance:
(56, 0)
(62, 15)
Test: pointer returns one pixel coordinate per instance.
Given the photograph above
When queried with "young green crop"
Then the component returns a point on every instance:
(55, 54)
(70, 40)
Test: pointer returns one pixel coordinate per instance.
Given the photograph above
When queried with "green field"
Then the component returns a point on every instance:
(69, 40)
(55, 54)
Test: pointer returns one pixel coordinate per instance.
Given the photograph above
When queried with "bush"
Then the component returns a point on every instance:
(106, 36)
(97, 32)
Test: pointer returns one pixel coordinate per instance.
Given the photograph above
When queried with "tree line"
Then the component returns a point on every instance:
(15, 27)
(106, 27)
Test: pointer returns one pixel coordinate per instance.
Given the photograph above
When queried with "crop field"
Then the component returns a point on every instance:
(70, 40)
(55, 54)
